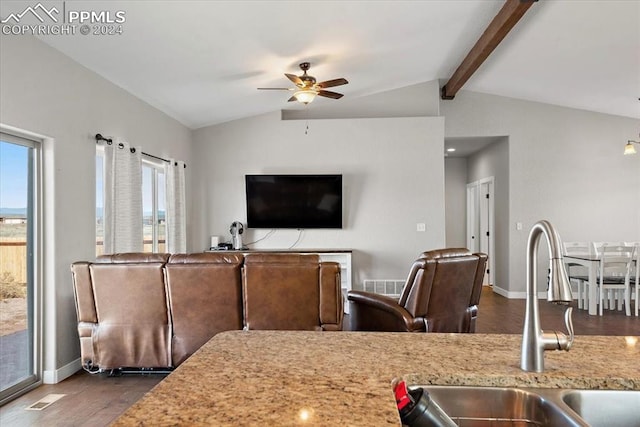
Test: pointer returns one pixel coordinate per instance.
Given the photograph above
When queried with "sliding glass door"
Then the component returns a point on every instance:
(19, 331)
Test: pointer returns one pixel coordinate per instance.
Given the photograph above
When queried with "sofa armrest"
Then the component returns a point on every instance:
(85, 332)
(472, 315)
(445, 322)
(331, 300)
(83, 292)
(374, 312)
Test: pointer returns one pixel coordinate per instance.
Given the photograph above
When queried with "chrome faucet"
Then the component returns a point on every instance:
(534, 340)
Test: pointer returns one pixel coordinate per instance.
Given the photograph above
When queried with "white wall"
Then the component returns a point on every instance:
(455, 196)
(393, 178)
(47, 93)
(565, 165)
(419, 100)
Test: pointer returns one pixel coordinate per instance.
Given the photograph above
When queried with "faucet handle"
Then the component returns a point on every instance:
(557, 340)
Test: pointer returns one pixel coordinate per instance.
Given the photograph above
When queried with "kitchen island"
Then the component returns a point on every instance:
(344, 378)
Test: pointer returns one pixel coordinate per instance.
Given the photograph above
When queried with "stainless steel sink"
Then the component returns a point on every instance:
(520, 407)
(500, 407)
(609, 408)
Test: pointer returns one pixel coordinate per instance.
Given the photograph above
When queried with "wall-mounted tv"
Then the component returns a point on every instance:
(294, 201)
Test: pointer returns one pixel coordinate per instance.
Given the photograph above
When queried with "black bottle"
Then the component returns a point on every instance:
(417, 409)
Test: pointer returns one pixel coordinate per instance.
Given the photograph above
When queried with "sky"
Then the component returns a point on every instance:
(13, 175)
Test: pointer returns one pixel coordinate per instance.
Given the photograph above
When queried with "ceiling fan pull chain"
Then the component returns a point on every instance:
(306, 113)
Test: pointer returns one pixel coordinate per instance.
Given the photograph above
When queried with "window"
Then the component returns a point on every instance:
(20, 367)
(153, 205)
(100, 201)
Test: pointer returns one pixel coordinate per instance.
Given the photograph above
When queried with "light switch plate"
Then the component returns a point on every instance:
(421, 226)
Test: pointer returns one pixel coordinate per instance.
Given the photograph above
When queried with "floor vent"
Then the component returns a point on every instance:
(44, 402)
(388, 287)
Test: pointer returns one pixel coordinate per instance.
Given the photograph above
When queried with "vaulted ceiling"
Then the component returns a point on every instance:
(201, 61)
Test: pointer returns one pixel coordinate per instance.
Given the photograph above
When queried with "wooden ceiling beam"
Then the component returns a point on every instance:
(497, 30)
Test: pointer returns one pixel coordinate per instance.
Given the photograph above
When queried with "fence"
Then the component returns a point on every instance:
(13, 259)
(13, 256)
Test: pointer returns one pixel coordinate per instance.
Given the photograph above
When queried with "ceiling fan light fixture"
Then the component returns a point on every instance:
(305, 96)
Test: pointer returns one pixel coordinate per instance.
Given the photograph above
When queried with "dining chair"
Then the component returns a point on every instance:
(579, 274)
(613, 276)
(634, 278)
(610, 295)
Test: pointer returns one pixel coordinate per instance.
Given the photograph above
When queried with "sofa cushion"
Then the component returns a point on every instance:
(205, 298)
(133, 316)
(281, 291)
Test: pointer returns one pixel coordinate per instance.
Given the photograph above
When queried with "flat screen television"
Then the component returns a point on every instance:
(294, 201)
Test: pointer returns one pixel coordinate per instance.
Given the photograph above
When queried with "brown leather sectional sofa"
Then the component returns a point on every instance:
(142, 310)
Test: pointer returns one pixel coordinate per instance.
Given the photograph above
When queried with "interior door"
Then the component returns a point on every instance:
(473, 220)
(480, 222)
(485, 214)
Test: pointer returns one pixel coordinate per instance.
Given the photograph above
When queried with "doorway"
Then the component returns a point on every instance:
(481, 222)
(20, 367)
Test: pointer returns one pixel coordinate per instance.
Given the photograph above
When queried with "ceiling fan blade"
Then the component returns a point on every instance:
(293, 98)
(295, 79)
(275, 88)
(329, 94)
(332, 83)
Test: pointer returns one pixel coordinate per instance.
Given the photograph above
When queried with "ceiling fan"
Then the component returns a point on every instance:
(307, 88)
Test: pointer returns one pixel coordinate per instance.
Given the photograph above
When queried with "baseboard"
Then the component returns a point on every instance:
(500, 291)
(54, 377)
(516, 295)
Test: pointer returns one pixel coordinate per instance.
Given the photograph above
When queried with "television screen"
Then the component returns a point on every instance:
(294, 201)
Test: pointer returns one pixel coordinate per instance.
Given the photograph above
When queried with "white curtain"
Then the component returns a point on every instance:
(123, 198)
(176, 207)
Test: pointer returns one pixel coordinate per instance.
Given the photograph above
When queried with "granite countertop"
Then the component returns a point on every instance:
(344, 378)
(285, 250)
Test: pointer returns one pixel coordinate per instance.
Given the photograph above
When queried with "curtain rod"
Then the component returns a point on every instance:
(109, 141)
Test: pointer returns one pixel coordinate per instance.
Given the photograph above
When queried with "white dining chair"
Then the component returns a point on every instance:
(579, 274)
(634, 278)
(610, 294)
(613, 276)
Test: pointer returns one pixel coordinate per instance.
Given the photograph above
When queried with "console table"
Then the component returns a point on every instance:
(341, 256)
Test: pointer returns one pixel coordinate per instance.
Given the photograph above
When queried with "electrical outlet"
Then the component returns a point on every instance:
(518, 226)
(421, 226)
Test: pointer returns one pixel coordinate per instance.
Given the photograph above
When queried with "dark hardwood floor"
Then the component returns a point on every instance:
(97, 400)
(89, 401)
(499, 315)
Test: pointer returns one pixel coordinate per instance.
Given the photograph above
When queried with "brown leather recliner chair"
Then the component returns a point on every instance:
(441, 294)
